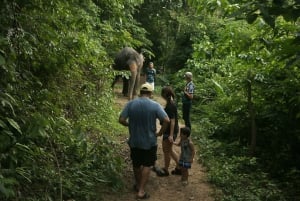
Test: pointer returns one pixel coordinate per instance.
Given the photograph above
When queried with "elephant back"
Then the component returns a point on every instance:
(126, 57)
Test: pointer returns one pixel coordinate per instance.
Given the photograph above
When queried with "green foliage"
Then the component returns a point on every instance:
(244, 85)
(56, 117)
(239, 177)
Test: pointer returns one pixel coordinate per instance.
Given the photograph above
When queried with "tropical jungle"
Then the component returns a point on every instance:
(59, 120)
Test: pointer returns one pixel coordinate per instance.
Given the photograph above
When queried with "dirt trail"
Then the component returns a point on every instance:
(167, 188)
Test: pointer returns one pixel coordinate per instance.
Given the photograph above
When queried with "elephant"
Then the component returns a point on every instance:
(129, 59)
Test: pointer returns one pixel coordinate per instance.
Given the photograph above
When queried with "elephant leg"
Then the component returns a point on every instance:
(137, 82)
(115, 80)
(125, 86)
(134, 70)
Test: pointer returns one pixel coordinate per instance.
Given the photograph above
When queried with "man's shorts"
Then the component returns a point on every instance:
(142, 157)
(186, 165)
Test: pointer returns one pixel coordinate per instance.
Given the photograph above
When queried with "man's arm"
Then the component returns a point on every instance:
(189, 95)
(123, 121)
(164, 126)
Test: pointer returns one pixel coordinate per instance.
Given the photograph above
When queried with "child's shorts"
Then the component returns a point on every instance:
(185, 164)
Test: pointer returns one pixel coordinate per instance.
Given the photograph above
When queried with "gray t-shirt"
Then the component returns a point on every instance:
(142, 114)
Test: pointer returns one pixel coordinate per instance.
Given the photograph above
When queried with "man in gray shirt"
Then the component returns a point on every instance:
(140, 116)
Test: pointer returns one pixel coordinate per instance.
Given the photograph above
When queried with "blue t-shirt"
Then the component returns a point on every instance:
(150, 73)
(142, 114)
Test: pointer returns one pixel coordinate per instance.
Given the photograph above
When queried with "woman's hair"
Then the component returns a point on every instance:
(168, 93)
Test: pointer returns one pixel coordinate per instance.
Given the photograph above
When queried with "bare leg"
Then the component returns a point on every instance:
(137, 171)
(167, 148)
(175, 157)
(169, 153)
(145, 173)
(185, 175)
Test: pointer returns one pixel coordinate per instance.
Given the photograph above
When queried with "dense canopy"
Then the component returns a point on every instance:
(57, 113)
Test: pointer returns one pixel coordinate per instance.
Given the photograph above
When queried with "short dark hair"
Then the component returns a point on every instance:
(186, 131)
(145, 92)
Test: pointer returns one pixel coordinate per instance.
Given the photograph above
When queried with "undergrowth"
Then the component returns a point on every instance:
(238, 176)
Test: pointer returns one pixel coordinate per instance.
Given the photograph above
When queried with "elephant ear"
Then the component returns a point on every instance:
(120, 61)
(124, 58)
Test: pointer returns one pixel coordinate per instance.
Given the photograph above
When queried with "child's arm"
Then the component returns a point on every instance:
(193, 151)
(177, 143)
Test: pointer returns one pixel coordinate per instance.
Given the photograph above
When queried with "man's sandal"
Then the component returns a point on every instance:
(145, 196)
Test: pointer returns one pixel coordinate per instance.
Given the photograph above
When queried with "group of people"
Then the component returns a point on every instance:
(140, 116)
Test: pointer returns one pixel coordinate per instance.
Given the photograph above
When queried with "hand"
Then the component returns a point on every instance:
(170, 138)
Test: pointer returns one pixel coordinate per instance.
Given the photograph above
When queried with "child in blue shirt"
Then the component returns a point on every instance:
(187, 153)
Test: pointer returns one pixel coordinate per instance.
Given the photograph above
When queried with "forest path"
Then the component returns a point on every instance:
(167, 188)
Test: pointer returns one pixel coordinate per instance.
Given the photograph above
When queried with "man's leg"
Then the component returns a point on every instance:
(145, 173)
(137, 171)
(186, 108)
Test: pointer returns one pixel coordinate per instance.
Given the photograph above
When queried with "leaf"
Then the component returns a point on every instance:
(14, 124)
(3, 124)
(269, 20)
(5, 102)
(251, 18)
(2, 60)
(6, 190)
(298, 116)
(267, 17)
(25, 174)
(219, 88)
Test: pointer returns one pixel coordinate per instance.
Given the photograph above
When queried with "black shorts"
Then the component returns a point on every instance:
(142, 157)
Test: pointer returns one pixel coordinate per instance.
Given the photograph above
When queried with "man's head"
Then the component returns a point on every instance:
(151, 65)
(146, 89)
(188, 75)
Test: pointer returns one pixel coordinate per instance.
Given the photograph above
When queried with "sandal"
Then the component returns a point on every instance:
(145, 196)
(176, 171)
(157, 170)
(162, 173)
